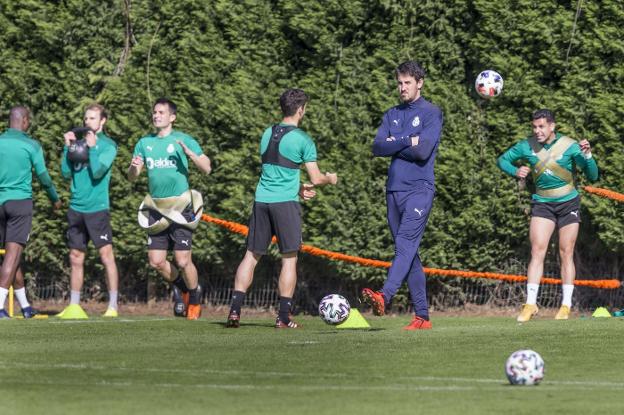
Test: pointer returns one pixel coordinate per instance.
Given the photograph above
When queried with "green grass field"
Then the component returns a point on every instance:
(154, 365)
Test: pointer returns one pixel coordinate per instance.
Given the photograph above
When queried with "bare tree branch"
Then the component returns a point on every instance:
(129, 36)
(149, 54)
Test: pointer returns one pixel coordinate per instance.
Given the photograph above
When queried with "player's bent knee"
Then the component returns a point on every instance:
(158, 263)
(183, 257)
(183, 262)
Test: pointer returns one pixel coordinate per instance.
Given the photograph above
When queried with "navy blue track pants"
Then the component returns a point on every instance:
(408, 213)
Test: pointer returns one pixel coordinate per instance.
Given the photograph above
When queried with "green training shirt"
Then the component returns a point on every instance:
(548, 180)
(281, 184)
(166, 162)
(90, 181)
(19, 155)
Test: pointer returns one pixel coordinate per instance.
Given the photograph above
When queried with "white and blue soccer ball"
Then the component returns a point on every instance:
(525, 367)
(334, 309)
(489, 84)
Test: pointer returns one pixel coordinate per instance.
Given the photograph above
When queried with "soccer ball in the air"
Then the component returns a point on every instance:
(489, 84)
(334, 309)
(525, 367)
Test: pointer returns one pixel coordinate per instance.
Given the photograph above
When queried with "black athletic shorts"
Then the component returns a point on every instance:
(175, 237)
(281, 219)
(94, 226)
(16, 221)
(562, 213)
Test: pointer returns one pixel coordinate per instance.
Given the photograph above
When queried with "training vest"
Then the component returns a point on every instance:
(547, 161)
(272, 154)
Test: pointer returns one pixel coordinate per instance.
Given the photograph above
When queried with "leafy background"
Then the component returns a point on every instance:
(225, 64)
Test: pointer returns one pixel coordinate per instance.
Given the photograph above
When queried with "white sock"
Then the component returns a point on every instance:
(532, 290)
(20, 294)
(112, 299)
(74, 297)
(568, 289)
(3, 295)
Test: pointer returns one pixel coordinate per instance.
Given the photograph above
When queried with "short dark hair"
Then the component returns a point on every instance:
(291, 100)
(166, 101)
(98, 107)
(543, 113)
(411, 68)
(18, 113)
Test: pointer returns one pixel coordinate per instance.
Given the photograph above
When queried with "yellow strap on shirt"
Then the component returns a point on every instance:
(548, 161)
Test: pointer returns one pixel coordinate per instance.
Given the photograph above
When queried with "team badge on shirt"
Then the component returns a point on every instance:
(416, 121)
(79, 166)
(170, 148)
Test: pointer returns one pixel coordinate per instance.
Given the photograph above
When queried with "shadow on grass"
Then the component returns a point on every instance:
(243, 325)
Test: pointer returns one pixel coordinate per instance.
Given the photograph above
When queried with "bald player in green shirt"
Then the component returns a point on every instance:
(555, 204)
(20, 155)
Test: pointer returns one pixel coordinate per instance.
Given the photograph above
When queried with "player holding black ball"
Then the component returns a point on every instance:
(87, 159)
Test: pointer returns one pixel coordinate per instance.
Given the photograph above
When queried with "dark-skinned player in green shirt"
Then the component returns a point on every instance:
(20, 155)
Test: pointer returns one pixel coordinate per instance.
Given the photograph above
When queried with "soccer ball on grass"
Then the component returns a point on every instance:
(525, 367)
(334, 309)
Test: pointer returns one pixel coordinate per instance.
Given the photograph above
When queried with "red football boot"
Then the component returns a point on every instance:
(279, 324)
(418, 323)
(376, 300)
(193, 312)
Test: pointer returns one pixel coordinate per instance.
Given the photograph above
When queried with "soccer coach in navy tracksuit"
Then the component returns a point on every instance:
(410, 134)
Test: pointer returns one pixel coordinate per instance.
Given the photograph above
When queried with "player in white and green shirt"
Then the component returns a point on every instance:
(276, 210)
(165, 155)
(552, 158)
(88, 216)
(166, 162)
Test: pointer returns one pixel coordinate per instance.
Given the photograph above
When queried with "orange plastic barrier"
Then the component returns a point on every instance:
(609, 194)
(242, 229)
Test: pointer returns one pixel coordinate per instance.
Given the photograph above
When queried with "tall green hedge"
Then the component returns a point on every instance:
(225, 64)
